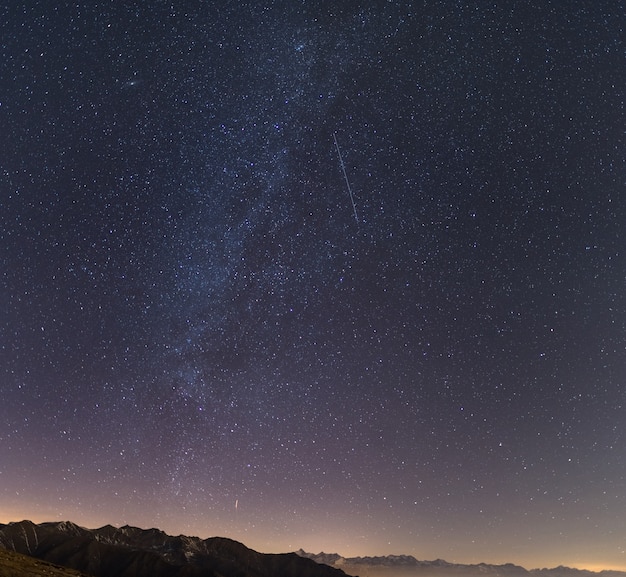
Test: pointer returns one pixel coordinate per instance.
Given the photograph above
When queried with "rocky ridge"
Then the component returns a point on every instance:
(133, 552)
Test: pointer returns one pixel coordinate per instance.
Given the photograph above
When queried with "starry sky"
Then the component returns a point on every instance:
(200, 332)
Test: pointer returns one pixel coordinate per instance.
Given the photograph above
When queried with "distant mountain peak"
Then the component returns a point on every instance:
(409, 565)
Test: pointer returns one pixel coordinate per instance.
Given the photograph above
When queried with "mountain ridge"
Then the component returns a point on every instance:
(442, 567)
(134, 552)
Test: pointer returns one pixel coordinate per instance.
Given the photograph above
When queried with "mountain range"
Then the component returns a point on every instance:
(65, 549)
(132, 552)
(409, 566)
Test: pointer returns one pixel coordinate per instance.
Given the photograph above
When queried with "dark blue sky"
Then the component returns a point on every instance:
(196, 333)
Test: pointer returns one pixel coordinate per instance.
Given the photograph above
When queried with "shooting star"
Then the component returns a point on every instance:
(236, 504)
(343, 169)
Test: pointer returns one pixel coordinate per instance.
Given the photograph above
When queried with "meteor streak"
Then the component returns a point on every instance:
(343, 169)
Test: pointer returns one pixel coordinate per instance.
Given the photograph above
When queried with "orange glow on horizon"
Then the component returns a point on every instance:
(315, 544)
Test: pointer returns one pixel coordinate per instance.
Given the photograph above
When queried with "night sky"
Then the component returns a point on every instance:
(200, 332)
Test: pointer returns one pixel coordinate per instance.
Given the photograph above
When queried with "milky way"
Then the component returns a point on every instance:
(215, 324)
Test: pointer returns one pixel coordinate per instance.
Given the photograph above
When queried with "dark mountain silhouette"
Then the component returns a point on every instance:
(408, 566)
(133, 552)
